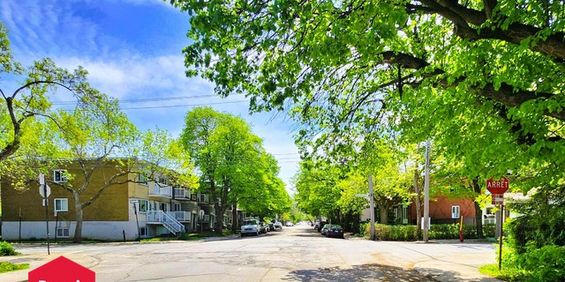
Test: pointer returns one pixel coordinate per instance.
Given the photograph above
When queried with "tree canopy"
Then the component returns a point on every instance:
(483, 79)
(234, 167)
(28, 105)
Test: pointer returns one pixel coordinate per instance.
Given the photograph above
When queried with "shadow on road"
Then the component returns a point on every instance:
(377, 272)
(366, 272)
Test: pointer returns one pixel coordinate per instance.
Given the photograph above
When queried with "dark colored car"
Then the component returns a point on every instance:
(335, 231)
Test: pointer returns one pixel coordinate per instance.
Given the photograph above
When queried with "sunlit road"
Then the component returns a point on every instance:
(294, 254)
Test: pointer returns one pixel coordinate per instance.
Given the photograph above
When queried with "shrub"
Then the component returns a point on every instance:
(6, 249)
(408, 232)
(544, 264)
(8, 266)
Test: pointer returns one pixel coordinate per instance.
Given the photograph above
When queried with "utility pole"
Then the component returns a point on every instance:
(427, 193)
(372, 207)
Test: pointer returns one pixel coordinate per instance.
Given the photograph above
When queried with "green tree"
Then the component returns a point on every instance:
(234, 167)
(28, 105)
(430, 69)
(93, 141)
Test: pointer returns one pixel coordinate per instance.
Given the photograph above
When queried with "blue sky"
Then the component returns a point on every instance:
(132, 50)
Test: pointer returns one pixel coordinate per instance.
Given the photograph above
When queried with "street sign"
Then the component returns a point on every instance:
(497, 186)
(41, 179)
(366, 195)
(497, 199)
(47, 189)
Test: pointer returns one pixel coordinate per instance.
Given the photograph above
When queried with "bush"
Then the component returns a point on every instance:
(437, 231)
(8, 266)
(544, 264)
(6, 249)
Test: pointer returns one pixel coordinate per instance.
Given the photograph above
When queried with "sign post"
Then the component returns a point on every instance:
(45, 191)
(497, 188)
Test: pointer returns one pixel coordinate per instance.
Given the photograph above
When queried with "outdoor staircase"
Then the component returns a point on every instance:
(168, 221)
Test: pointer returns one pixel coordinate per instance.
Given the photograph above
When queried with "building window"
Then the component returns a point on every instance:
(142, 205)
(59, 176)
(62, 229)
(455, 212)
(142, 179)
(62, 232)
(61, 205)
(176, 207)
(142, 231)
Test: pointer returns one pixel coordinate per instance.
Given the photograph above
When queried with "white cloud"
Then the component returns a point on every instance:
(53, 28)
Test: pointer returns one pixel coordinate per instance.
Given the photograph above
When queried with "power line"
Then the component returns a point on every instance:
(178, 105)
(142, 100)
(182, 105)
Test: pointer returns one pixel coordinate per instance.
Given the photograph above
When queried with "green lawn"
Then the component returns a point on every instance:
(506, 274)
(8, 266)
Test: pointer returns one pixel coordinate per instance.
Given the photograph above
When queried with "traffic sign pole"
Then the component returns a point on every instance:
(497, 188)
(500, 238)
(46, 216)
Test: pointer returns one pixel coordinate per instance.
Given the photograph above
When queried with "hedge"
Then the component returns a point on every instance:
(437, 231)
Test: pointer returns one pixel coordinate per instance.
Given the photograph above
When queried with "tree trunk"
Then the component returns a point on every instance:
(78, 217)
(478, 210)
(235, 219)
(219, 224)
(383, 211)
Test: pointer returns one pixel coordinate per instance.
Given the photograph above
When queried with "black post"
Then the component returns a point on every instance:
(500, 238)
(56, 222)
(46, 199)
(20, 226)
(137, 221)
(124, 234)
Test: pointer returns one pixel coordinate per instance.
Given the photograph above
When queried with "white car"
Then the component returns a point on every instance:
(289, 224)
(277, 225)
(250, 227)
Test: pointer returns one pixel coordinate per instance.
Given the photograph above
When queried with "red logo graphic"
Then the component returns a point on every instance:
(61, 269)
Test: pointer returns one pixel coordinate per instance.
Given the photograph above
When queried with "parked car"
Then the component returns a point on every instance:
(289, 224)
(320, 226)
(250, 227)
(271, 226)
(263, 227)
(324, 229)
(277, 225)
(335, 231)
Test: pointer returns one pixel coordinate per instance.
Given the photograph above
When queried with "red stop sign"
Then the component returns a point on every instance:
(497, 186)
(61, 269)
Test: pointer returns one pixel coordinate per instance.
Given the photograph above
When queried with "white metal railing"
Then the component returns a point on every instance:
(169, 221)
(181, 193)
(182, 216)
(156, 189)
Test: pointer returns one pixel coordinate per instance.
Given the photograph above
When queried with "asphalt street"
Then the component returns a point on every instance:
(294, 254)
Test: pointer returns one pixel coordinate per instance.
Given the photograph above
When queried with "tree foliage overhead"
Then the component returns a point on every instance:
(26, 106)
(486, 74)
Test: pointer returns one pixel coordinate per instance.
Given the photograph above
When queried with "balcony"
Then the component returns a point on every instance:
(182, 216)
(182, 194)
(160, 190)
(165, 219)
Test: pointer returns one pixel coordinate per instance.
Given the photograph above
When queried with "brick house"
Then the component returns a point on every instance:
(137, 209)
(442, 210)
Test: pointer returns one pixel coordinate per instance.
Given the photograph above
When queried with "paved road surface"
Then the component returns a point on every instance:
(295, 254)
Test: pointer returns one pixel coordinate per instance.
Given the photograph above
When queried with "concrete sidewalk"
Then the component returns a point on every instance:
(447, 260)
